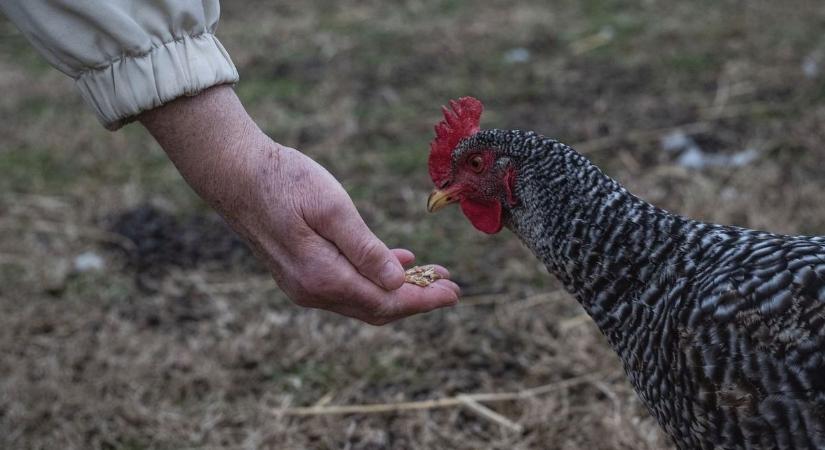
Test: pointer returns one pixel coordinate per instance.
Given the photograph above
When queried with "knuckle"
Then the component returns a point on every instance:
(329, 211)
(368, 251)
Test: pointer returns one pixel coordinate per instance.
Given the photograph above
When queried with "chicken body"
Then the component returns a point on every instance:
(720, 329)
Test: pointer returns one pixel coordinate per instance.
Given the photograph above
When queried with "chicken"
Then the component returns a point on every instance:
(720, 329)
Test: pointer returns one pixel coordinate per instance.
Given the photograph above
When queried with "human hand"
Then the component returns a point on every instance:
(295, 215)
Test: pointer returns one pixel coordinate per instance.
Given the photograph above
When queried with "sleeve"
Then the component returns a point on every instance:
(127, 56)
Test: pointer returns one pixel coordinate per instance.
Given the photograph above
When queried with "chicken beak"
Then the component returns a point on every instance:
(439, 199)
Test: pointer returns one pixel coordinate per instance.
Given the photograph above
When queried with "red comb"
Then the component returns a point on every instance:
(461, 121)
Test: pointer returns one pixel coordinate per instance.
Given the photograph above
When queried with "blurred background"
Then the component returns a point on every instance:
(131, 318)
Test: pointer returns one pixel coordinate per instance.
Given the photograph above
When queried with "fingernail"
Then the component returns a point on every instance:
(389, 273)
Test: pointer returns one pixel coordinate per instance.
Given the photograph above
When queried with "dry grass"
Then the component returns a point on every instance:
(209, 355)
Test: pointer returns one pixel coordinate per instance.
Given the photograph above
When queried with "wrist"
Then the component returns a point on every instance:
(246, 177)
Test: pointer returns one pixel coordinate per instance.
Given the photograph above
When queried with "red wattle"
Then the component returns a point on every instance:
(484, 215)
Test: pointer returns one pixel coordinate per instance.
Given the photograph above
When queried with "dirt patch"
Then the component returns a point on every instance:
(163, 241)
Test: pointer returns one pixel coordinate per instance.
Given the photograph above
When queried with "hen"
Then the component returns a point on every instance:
(720, 329)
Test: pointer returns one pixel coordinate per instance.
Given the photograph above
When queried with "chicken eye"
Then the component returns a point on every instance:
(476, 163)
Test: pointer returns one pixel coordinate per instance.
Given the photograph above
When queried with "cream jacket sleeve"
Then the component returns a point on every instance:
(127, 56)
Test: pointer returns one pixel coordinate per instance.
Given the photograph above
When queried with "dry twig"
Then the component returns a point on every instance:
(489, 414)
(445, 402)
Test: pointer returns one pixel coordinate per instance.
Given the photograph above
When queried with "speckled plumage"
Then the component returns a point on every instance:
(720, 329)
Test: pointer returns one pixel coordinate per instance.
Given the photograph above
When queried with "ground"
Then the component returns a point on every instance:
(180, 340)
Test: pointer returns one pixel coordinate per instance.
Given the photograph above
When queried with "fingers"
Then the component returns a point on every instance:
(442, 271)
(378, 306)
(410, 299)
(362, 248)
(337, 286)
(404, 256)
(449, 284)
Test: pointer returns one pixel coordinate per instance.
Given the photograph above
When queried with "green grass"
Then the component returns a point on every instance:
(693, 64)
(404, 159)
(15, 47)
(276, 89)
(36, 169)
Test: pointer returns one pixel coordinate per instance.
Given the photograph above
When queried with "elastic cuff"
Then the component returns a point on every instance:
(131, 85)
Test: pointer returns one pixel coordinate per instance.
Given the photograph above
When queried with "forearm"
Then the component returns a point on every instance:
(211, 140)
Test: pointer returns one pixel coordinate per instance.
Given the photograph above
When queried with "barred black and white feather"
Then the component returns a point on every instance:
(721, 329)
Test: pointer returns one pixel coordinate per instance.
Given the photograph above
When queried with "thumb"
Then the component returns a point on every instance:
(362, 248)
